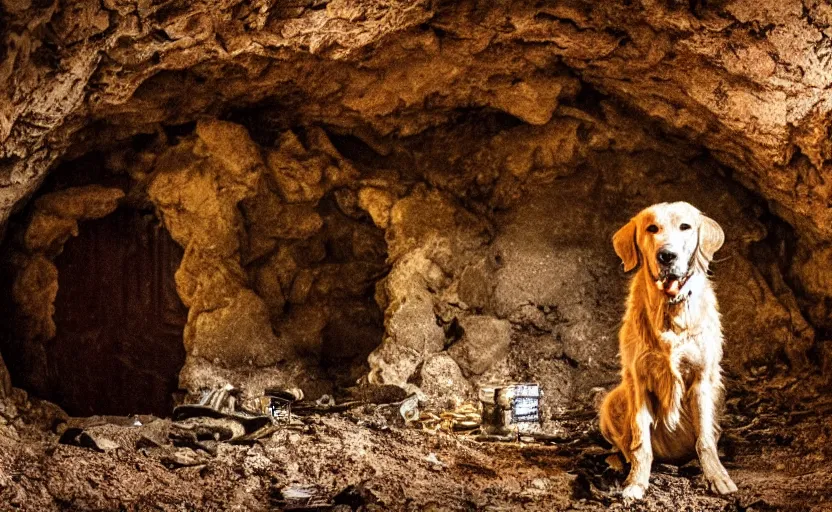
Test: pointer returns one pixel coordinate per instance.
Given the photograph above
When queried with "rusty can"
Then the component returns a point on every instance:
(510, 408)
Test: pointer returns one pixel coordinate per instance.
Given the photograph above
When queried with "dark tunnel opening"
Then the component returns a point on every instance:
(118, 347)
(119, 319)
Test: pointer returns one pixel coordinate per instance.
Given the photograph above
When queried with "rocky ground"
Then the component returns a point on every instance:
(775, 445)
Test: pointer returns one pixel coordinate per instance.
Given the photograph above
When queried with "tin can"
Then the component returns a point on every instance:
(510, 408)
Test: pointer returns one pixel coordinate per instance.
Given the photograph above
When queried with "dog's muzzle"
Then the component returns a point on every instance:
(674, 287)
(672, 283)
(672, 277)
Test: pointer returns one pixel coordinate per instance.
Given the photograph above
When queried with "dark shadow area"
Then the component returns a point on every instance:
(118, 348)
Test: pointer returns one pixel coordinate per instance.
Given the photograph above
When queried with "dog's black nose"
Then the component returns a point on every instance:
(666, 257)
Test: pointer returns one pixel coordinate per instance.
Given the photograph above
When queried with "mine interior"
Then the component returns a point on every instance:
(362, 215)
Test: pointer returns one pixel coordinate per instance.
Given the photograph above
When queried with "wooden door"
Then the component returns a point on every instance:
(118, 348)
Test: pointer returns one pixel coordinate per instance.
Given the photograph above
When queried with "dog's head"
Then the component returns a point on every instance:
(671, 241)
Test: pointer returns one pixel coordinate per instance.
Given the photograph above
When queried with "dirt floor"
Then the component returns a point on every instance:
(775, 445)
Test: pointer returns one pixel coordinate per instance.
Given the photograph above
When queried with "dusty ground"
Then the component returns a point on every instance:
(776, 446)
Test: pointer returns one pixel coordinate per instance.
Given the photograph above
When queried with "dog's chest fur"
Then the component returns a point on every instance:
(681, 330)
(684, 338)
(685, 352)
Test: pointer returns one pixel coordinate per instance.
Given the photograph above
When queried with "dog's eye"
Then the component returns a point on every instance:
(652, 228)
(684, 227)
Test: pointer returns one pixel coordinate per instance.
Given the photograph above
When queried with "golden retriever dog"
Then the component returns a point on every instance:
(671, 346)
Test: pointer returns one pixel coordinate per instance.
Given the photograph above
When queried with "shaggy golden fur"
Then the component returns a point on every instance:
(671, 347)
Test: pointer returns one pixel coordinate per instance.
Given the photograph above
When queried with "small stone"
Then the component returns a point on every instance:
(377, 203)
(347, 201)
(485, 341)
(434, 462)
(443, 380)
(540, 483)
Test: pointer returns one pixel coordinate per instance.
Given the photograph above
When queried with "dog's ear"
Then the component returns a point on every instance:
(624, 242)
(711, 238)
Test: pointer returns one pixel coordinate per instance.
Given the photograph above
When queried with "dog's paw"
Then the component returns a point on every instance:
(633, 492)
(721, 483)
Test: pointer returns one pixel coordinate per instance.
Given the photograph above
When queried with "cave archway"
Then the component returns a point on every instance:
(118, 348)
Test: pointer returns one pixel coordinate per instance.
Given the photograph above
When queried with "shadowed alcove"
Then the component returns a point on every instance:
(118, 348)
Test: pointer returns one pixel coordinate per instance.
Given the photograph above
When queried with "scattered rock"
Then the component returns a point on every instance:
(87, 439)
(377, 203)
(485, 340)
(442, 381)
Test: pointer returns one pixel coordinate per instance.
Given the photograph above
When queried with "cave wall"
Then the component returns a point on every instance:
(535, 292)
(277, 279)
(444, 175)
(430, 266)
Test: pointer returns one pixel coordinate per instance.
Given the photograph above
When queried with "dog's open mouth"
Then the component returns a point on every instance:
(671, 284)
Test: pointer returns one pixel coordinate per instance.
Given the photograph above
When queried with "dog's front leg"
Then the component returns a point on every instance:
(707, 394)
(671, 390)
(641, 450)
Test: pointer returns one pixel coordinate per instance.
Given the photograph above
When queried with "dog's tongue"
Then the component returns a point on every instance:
(669, 286)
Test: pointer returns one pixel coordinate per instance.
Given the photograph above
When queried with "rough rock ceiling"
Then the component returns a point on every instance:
(748, 80)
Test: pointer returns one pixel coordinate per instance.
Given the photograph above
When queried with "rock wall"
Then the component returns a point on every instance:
(277, 278)
(435, 267)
